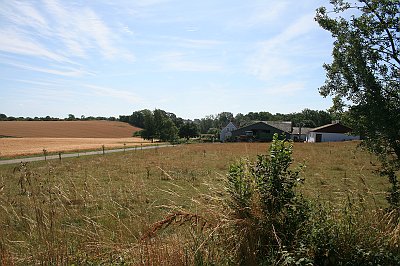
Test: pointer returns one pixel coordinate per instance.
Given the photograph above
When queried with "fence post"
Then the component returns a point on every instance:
(124, 147)
(45, 154)
(103, 148)
(59, 156)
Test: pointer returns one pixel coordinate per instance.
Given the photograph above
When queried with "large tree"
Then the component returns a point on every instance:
(366, 72)
(188, 130)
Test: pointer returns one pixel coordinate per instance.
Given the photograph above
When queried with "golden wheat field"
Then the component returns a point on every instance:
(19, 138)
(66, 129)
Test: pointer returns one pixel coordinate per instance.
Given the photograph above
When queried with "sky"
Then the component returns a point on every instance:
(191, 58)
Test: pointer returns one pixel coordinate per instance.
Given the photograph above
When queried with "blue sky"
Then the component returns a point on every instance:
(192, 58)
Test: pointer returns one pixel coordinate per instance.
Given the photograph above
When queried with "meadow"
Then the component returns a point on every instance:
(156, 207)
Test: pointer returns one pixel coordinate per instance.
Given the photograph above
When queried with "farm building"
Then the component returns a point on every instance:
(300, 133)
(226, 132)
(263, 131)
(331, 132)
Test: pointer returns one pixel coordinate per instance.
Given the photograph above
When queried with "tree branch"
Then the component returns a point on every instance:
(393, 46)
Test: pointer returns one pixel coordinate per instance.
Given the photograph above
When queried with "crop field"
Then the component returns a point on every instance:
(66, 129)
(21, 138)
(10, 147)
(112, 208)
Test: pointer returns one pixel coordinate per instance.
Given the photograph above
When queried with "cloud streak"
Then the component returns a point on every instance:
(114, 93)
(80, 31)
(274, 58)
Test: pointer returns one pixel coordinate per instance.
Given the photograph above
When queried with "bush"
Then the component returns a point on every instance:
(269, 214)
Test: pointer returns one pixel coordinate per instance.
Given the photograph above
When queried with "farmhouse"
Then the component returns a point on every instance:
(331, 132)
(263, 131)
(226, 132)
(300, 133)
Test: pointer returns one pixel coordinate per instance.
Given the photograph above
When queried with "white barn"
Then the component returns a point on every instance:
(226, 132)
(330, 133)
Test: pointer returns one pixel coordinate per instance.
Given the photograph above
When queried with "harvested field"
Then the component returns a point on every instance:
(66, 129)
(10, 147)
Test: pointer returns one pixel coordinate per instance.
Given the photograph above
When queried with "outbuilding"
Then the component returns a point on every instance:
(330, 133)
(263, 131)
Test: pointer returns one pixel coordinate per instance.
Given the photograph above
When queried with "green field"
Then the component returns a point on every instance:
(105, 208)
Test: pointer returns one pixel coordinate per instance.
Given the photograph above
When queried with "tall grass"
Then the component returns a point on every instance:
(107, 209)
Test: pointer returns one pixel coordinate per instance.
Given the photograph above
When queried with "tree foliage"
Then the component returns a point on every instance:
(366, 71)
(188, 130)
(158, 125)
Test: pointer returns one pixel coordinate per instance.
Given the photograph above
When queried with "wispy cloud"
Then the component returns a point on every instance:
(177, 61)
(288, 89)
(274, 58)
(125, 95)
(75, 31)
(15, 41)
(61, 71)
(267, 13)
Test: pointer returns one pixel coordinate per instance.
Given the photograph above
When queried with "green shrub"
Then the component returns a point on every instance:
(267, 211)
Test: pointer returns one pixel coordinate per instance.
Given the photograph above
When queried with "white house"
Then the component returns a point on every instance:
(331, 132)
(226, 132)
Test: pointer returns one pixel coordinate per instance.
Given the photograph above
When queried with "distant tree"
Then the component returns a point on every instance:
(366, 71)
(168, 131)
(206, 123)
(188, 130)
(71, 117)
(149, 126)
(222, 119)
(3, 117)
(137, 118)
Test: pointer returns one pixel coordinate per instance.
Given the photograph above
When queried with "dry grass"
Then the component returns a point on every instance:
(10, 147)
(96, 209)
(66, 129)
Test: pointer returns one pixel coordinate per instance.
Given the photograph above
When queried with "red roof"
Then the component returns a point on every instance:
(332, 128)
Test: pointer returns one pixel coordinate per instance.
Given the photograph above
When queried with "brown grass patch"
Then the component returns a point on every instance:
(66, 129)
(10, 147)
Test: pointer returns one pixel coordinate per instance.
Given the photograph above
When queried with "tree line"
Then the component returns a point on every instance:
(166, 126)
(70, 117)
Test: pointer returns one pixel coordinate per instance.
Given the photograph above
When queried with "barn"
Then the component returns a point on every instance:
(263, 131)
(330, 133)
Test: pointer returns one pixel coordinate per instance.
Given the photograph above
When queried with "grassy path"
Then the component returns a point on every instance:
(78, 154)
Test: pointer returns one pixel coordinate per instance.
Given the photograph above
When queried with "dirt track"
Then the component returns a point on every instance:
(10, 147)
(66, 129)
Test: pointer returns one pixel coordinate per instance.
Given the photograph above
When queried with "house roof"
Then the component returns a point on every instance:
(285, 126)
(304, 130)
(230, 123)
(332, 128)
